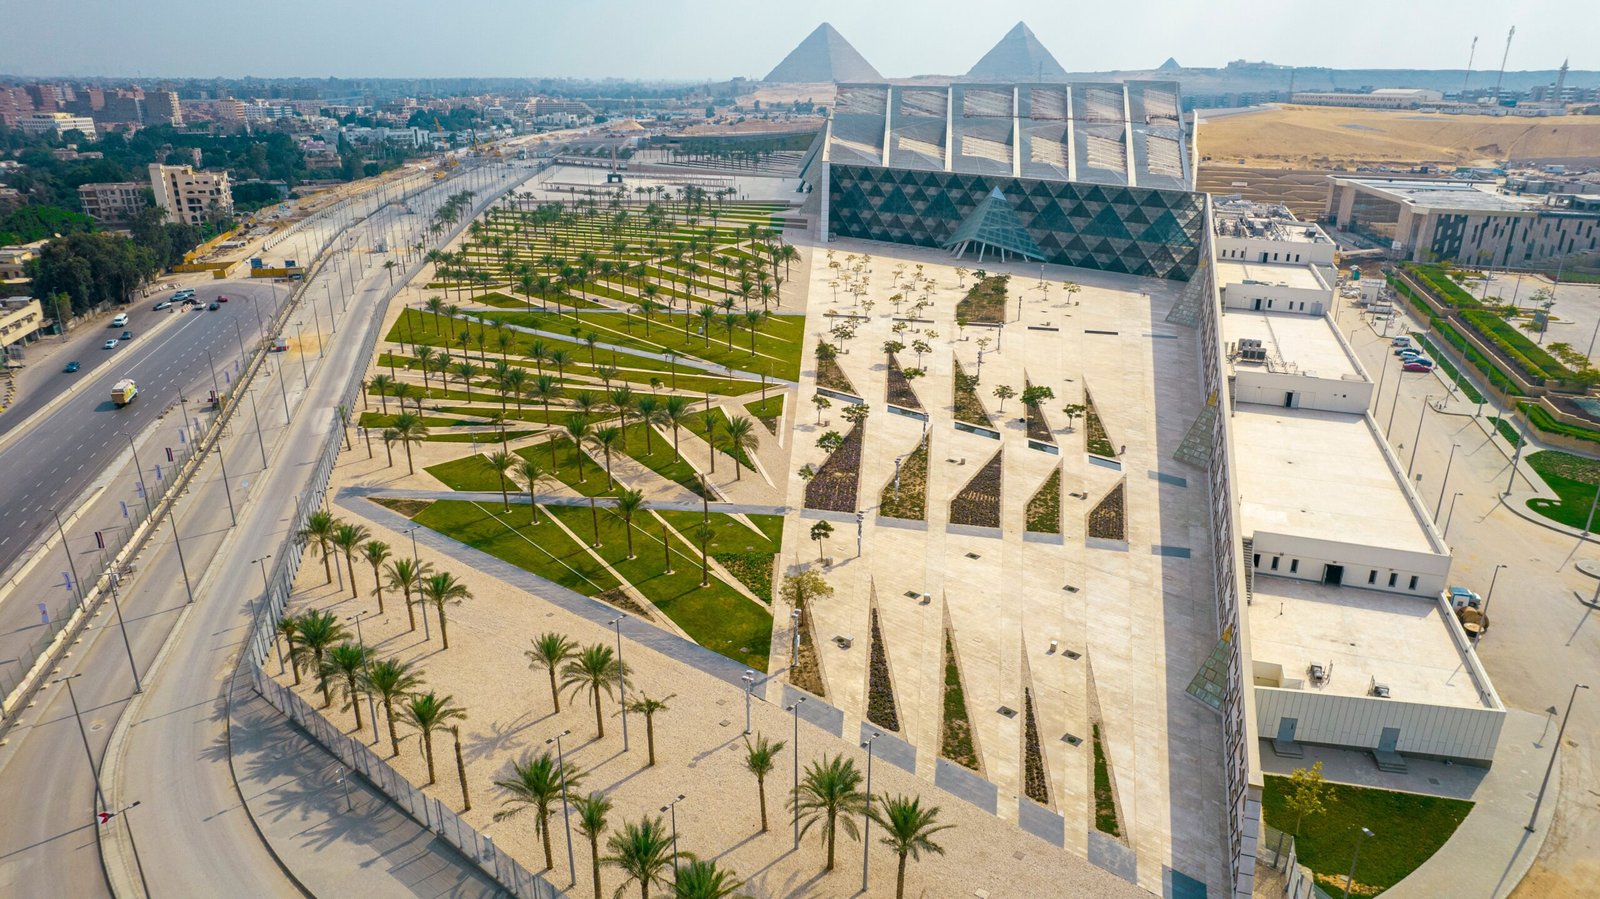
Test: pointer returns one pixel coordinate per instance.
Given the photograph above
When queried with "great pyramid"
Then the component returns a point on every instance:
(1018, 55)
(823, 56)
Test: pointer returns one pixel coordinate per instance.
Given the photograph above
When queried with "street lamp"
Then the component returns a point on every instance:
(622, 679)
(1490, 595)
(749, 678)
(1353, 858)
(93, 771)
(1444, 484)
(172, 512)
(1449, 516)
(866, 834)
(416, 565)
(672, 807)
(1427, 402)
(1556, 750)
(116, 604)
(566, 808)
(372, 705)
(138, 472)
(132, 843)
(795, 709)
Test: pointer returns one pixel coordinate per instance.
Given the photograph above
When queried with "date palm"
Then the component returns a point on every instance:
(286, 629)
(545, 389)
(622, 400)
(830, 795)
(649, 707)
(703, 535)
(391, 679)
(409, 429)
(643, 852)
(314, 634)
(592, 811)
(549, 651)
(629, 503)
(534, 474)
(441, 589)
(406, 576)
(578, 429)
(594, 670)
(465, 371)
(908, 828)
(428, 712)
(708, 418)
(499, 462)
(741, 440)
(381, 385)
(759, 759)
(705, 879)
(648, 409)
(348, 538)
(606, 437)
(319, 527)
(538, 781)
(346, 663)
(376, 552)
(675, 412)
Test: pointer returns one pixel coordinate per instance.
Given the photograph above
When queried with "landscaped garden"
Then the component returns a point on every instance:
(968, 407)
(985, 302)
(907, 496)
(978, 503)
(1574, 480)
(1044, 508)
(833, 487)
(1097, 440)
(1036, 784)
(956, 735)
(1108, 520)
(1105, 801)
(882, 709)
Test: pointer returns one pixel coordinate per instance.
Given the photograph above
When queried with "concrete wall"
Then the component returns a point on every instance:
(1276, 297)
(1451, 732)
(1269, 388)
(1431, 570)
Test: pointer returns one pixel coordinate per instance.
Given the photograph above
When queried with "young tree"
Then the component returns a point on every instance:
(538, 781)
(643, 852)
(441, 589)
(1036, 395)
(428, 712)
(592, 811)
(649, 707)
(821, 531)
(857, 413)
(320, 526)
(830, 795)
(830, 441)
(703, 534)
(594, 670)
(1004, 392)
(759, 759)
(821, 402)
(1072, 411)
(908, 828)
(1308, 794)
(391, 679)
(376, 552)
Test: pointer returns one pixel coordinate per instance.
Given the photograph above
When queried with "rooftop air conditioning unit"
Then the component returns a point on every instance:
(1252, 350)
(1380, 690)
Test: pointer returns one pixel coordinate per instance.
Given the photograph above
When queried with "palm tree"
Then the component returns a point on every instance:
(629, 503)
(622, 401)
(703, 534)
(428, 712)
(648, 707)
(346, 662)
(545, 389)
(674, 412)
(319, 527)
(647, 410)
(409, 429)
(533, 473)
(908, 828)
(465, 371)
(389, 679)
(381, 385)
(500, 461)
(708, 418)
(595, 670)
(592, 811)
(759, 759)
(539, 781)
(643, 852)
(406, 575)
(578, 429)
(549, 651)
(376, 552)
(440, 589)
(286, 629)
(348, 538)
(830, 794)
(314, 634)
(741, 439)
(703, 879)
(606, 437)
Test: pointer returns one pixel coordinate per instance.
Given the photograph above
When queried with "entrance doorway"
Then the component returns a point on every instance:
(1333, 575)
(1288, 400)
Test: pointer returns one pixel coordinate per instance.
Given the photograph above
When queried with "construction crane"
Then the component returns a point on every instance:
(1507, 55)
(1470, 54)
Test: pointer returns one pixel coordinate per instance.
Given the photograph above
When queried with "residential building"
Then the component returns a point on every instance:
(56, 124)
(14, 260)
(162, 108)
(121, 107)
(113, 201)
(191, 196)
(14, 105)
(20, 321)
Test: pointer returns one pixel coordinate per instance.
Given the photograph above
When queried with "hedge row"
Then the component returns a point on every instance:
(1527, 355)
(1444, 329)
(1544, 421)
(1467, 388)
(1438, 278)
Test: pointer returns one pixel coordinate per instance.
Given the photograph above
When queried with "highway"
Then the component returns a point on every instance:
(193, 835)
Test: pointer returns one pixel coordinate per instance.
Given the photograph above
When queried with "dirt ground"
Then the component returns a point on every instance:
(1326, 136)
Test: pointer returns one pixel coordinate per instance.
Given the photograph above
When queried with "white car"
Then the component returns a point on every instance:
(109, 344)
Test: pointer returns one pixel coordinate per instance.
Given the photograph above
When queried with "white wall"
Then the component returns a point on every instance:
(1303, 558)
(1358, 721)
(1268, 388)
(1277, 298)
(1249, 249)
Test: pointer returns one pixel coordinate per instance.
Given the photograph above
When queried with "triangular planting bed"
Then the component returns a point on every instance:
(1108, 520)
(958, 741)
(968, 405)
(978, 503)
(882, 709)
(1098, 441)
(833, 488)
(1044, 508)
(909, 498)
(900, 392)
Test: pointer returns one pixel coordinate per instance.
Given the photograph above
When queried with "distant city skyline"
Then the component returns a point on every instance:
(719, 39)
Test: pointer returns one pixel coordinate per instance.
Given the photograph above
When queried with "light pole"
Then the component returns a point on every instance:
(1488, 596)
(1427, 403)
(1515, 458)
(566, 808)
(177, 541)
(622, 679)
(1449, 516)
(1554, 751)
(77, 585)
(93, 771)
(794, 648)
(749, 678)
(366, 663)
(300, 350)
(116, 605)
(866, 833)
(1366, 834)
(416, 566)
(1444, 484)
(672, 807)
(266, 600)
(795, 709)
(132, 843)
(138, 472)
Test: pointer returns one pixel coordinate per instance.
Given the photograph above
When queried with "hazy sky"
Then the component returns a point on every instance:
(695, 39)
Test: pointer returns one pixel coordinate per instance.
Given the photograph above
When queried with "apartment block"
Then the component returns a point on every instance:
(56, 124)
(191, 196)
(112, 201)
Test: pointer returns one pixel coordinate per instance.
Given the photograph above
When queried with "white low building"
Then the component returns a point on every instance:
(1274, 288)
(1292, 360)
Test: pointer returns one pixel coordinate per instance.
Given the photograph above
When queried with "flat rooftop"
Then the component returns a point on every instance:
(1320, 475)
(1466, 196)
(1401, 642)
(1301, 276)
(1295, 342)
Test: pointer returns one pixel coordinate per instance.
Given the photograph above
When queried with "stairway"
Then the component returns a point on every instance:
(1391, 762)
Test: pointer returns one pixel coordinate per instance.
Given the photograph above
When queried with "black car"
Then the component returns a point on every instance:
(127, 335)
(214, 306)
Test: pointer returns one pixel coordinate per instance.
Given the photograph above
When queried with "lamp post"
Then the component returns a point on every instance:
(1427, 403)
(749, 678)
(566, 808)
(622, 679)
(1450, 515)
(132, 843)
(416, 565)
(300, 350)
(1444, 484)
(1554, 751)
(116, 605)
(672, 807)
(1366, 834)
(794, 627)
(94, 772)
(77, 585)
(1488, 596)
(266, 600)
(178, 542)
(138, 472)
(795, 709)
(372, 704)
(866, 833)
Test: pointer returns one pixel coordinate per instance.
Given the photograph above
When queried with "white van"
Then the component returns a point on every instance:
(120, 320)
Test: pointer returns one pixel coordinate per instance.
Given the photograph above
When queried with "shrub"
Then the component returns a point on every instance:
(881, 708)
(985, 302)
(968, 407)
(1044, 509)
(1526, 355)
(834, 487)
(955, 742)
(911, 500)
(1108, 520)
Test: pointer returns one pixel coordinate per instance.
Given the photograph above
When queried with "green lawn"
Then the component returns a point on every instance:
(731, 535)
(1573, 478)
(542, 549)
(768, 411)
(565, 466)
(470, 473)
(777, 338)
(379, 420)
(659, 458)
(1409, 828)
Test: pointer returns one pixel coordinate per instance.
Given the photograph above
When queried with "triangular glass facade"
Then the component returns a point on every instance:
(994, 225)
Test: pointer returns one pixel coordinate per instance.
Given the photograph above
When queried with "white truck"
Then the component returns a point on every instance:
(123, 392)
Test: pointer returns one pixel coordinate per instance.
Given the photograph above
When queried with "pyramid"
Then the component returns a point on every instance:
(994, 226)
(823, 56)
(1018, 55)
(1171, 65)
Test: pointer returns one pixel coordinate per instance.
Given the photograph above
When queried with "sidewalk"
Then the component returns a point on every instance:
(292, 791)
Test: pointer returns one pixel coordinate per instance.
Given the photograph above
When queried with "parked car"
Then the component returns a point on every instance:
(120, 320)
(214, 306)
(164, 304)
(109, 345)
(1407, 355)
(1421, 364)
(1403, 340)
(71, 367)
(183, 294)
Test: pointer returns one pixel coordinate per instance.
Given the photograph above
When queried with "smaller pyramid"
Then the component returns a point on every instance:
(1171, 65)
(1018, 55)
(994, 227)
(823, 56)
